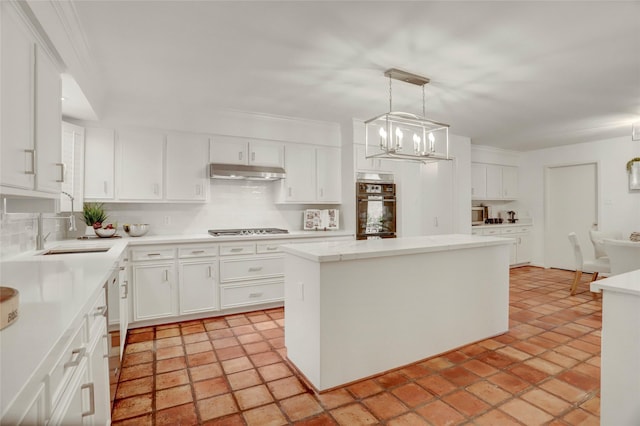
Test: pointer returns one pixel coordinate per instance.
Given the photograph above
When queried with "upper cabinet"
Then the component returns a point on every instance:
(140, 165)
(493, 182)
(185, 172)
(31, 90)
(99, 164)
(145, 166)
(313, 175)
(231, 150)
(370, 164)
(73, 159)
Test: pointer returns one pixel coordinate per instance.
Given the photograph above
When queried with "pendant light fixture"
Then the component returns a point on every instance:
(404, 136)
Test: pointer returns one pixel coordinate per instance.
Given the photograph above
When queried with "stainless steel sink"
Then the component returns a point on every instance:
(75, 250)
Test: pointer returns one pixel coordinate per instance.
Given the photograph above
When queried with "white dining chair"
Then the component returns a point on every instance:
(597, 239)
(594, 267)
(624, 256)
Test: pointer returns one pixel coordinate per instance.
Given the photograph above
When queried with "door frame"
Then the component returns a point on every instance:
(547, 207)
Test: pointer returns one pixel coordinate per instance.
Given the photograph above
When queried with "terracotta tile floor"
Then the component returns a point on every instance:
(231, 371)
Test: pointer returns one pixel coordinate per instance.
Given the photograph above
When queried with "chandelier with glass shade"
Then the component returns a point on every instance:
(404, 136)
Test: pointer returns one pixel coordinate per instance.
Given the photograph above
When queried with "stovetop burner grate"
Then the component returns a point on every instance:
(246, 231)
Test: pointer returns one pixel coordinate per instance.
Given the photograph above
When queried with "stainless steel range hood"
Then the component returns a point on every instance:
(240, 171)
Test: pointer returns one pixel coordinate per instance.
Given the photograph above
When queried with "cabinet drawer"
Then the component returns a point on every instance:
(273, 247)
(233, 249)
(523, 229)
(242, 295)
(66, 365)
(251, 268)
(150, 253)
(490, 232)
(97, 315)
(509, 230)
(476, 231)
(197, 251)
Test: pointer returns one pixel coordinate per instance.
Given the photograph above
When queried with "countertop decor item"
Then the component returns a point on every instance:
(136, 229)
(9, 303)
(404, 136)
(93, 213)
(106, 232)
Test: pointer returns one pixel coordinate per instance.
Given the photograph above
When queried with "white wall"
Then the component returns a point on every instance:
(618, 208)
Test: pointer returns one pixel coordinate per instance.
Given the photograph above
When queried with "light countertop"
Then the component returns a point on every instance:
(54, 290)
(332, 251)
(628, 283)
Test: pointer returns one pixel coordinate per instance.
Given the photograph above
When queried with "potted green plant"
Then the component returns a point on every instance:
(93, 215)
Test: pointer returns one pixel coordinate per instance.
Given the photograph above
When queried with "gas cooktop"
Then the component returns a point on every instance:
(247, 231)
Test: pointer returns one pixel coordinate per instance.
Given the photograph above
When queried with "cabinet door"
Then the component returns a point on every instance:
(73, 158)
(525, 250)
(16, 79)
(478, 181)
(509, 182)
(300, 183)
(185, 173)
(153, 291)
(494, 182)
(269, 154)
(98, 355)
(123, 279)
(228, 150)
(99, 163)
(198, 289)
(73, 408)
(140, 165)
(48, 122)
(328, 172)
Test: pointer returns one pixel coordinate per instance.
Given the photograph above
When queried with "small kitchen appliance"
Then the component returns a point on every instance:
(246, 231)
(512, 216)
(479, 215)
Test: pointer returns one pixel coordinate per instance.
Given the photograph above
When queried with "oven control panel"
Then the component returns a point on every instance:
(365, 188)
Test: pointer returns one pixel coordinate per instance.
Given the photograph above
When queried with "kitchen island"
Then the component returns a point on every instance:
(355, 309)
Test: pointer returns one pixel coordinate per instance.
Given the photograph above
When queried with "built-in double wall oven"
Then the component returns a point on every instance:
(375, 209)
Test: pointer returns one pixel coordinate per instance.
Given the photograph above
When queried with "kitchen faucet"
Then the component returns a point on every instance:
(40, 238)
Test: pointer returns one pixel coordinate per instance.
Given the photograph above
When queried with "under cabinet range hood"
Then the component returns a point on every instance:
(240, 171)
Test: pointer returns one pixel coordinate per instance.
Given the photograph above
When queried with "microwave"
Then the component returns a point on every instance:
(478, 215)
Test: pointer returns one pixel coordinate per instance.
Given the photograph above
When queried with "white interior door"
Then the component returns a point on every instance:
(571, 197)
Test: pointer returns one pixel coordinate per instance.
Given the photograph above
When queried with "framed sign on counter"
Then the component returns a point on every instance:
(316, 219)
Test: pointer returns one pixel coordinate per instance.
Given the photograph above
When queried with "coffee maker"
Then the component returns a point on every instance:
(512, 217)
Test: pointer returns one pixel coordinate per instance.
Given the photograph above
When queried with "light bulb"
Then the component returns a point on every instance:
(383, 138)
(432, 142)
(398, 138)
(416, 143)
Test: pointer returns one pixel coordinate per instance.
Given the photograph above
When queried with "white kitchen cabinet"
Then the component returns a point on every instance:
(154, 290)
(198, 289)
(186, 168)
(48, 116)
(231, 150)
(313, 175)
(31, 111)
(524, 247)
(300, 183)
(18, 156)
(73, 159)
(370, 164)
(99, 164)
(509, 182)
(521, 249)
(328, 175)
(493, 182)
(74, 406)
(139, 165)
(478, 181)
(98, 385)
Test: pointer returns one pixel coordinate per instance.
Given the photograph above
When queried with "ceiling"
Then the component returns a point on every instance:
(515, 75)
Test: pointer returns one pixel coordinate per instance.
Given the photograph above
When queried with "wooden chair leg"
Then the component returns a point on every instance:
(576, 280)
(594, 276)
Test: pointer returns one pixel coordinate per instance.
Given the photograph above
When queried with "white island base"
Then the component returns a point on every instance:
(357, 309)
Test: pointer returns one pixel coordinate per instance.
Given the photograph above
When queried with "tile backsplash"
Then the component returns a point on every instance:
(18, 232)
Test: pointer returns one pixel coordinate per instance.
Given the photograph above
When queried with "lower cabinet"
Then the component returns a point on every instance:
(521, 250)
(71, 410)
(154, 290)
(197, 282)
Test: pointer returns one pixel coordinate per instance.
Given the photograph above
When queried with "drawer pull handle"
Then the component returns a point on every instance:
(125, 286)
(210, 273)
(236, 249)
(101, 311)
(272, 248)
(63, 171)
(197, 251)
(255, 268)
(122, 268)
(154, 254)
(254, 295)
(75, 362)
(166, 275)
(92, 399)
